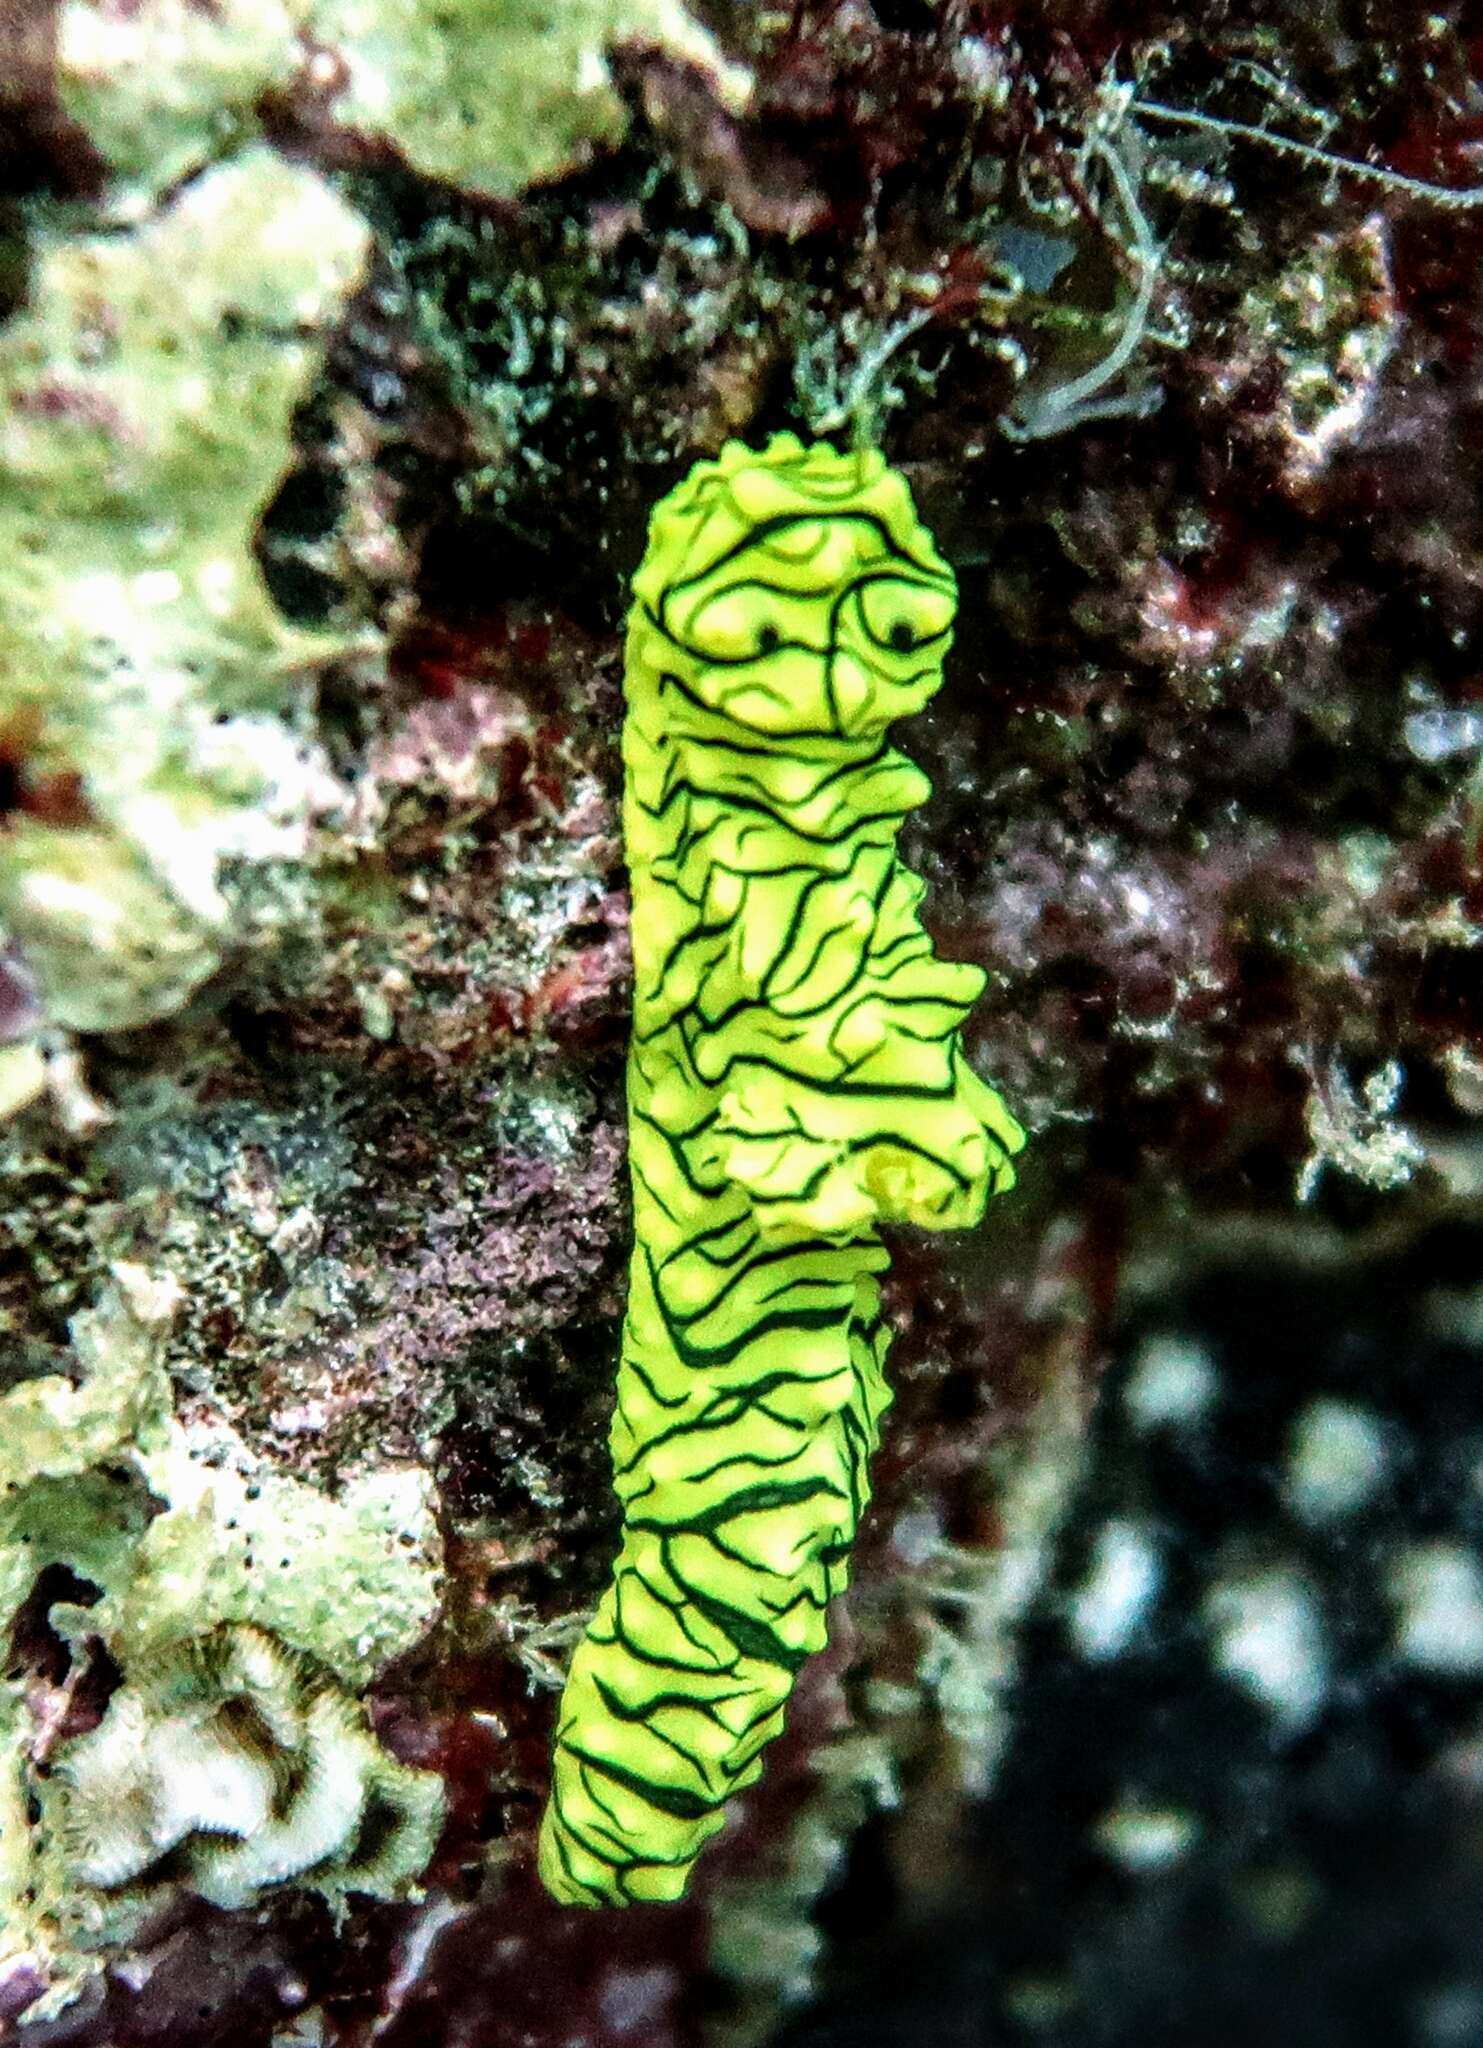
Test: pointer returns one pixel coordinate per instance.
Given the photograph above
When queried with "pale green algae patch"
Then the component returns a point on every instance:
(146, 395)
(148, 684)
(492, 95)
(244, 1612)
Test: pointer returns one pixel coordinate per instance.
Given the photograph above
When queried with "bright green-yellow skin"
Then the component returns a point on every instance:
(795, 1078)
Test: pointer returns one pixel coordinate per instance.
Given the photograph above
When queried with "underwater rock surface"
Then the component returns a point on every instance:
(343, 350)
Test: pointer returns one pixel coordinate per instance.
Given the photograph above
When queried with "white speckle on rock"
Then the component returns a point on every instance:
(1438, 1592)
(216, 583)
(1335, 1460)
(1145, 1838)
(632, 2002)
(1269, 1638)
(1172, 1383)
(157, 586)
(916, 1538)
(1121, 1584)
(1450, 2015)
(1440, 732)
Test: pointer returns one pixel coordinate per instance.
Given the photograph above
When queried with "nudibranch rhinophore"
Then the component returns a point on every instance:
(795, 1078)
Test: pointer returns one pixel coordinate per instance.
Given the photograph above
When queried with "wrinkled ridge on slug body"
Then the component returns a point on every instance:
(795, 1078)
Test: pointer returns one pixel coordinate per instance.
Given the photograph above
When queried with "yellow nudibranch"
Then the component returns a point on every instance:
(795, 1078)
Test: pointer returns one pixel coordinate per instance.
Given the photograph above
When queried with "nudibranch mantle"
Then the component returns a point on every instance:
(795, 1079)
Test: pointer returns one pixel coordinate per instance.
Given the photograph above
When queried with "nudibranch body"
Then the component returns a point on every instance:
(795, 1078)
